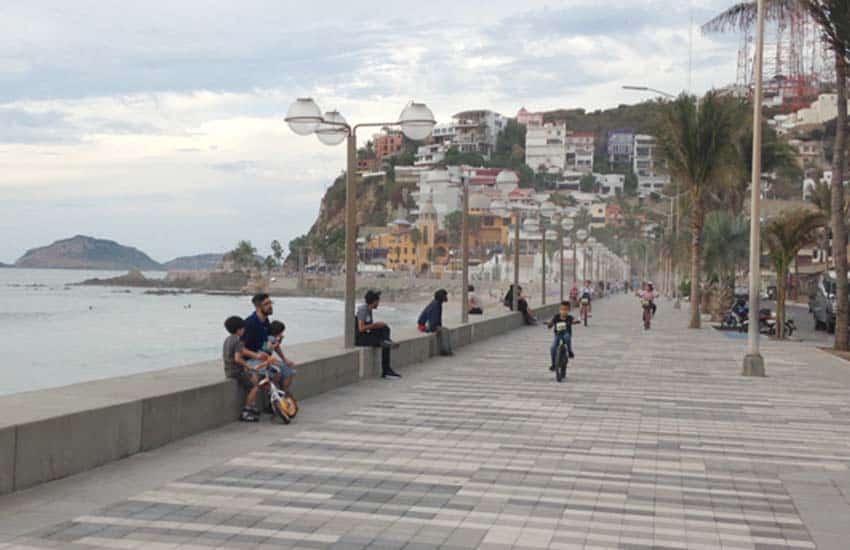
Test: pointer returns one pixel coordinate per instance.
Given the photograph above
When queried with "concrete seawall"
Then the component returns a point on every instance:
(50, 434)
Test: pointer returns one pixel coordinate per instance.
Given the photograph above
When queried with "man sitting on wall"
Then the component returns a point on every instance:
(373, 334)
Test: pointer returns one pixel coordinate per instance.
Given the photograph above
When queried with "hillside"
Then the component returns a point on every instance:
(199, 262)
(82, 252)
(377, 199)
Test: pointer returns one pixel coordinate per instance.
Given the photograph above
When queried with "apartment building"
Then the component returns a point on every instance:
(649, 165)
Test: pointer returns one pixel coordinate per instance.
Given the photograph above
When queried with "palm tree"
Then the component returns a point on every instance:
(833, 20)
(700, 146)
(726, 240)
(784, 236)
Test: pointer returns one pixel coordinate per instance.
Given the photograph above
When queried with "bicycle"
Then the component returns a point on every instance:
(562, 359)
(583, 311)
(284, 405)
(647, 313)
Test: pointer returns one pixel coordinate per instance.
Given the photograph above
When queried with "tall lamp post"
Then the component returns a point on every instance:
(567, 224)
(464, 291)
(753, 361)
(581, 236)
(547, 210)
(304, 118)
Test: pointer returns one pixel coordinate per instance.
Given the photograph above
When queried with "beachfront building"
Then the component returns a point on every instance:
(578, 152)
(545, 150)
(649, 165)
(621, 147)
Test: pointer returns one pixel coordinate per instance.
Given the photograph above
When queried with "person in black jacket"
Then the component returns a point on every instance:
(522, 305)
(431, 320)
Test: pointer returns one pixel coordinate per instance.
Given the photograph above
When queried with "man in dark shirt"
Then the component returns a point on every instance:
(562, 323)
(369, 333)
(257, 324)
(431, 320)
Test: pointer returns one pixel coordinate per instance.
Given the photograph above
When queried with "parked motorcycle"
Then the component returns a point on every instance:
(767, 324)
(736, 317)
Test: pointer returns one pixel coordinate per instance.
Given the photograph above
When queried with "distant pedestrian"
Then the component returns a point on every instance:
(474, 304)
(522, 305)
(372, 334)
(431, 320)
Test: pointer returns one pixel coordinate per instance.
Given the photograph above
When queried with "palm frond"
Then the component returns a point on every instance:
(742, 16)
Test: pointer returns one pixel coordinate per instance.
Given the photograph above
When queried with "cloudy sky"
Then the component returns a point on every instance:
(159, 123)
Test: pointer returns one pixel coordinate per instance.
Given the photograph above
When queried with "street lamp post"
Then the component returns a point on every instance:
(464, 306)
(567, 224)
(515, 293)
(581, 236)
(753, 361)
(304, 118)
(547, 210)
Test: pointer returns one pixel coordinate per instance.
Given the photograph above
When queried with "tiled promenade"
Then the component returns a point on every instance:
(655, 441)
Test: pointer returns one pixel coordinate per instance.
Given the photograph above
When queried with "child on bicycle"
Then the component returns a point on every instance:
(562, 323)
(272, 348)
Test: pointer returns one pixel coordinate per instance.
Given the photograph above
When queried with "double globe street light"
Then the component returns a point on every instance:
(304, 118)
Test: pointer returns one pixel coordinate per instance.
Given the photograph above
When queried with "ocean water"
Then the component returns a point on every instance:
(53, 333)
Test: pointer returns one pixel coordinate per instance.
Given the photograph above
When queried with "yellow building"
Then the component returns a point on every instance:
(424, 246)
(411, 247)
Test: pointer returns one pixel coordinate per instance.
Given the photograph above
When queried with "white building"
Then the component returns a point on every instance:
(597, 215)
(649, 165)
(442, 190)
(431, 154)
(821, 111)
(475, 131)
(610, 184)
(578, 150)
(545, 149)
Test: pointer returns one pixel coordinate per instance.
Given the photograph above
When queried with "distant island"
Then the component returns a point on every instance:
(83, 252)
(200, 262)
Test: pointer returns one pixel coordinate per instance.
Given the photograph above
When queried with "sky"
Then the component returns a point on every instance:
(159, 124)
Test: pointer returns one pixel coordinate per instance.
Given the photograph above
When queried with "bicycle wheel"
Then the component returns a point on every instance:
(281, 410)
(562, 363)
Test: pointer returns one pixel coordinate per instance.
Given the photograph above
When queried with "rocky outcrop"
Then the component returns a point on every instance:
(82, 252)
(200, 262)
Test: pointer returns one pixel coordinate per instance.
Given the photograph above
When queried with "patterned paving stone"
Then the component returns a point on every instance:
(654, 442)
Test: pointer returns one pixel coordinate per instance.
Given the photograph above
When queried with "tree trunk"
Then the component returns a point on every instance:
(781, 279)
(839, 229)
(697, 221)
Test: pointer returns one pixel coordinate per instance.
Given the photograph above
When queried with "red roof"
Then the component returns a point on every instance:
(485, 180)
(582, 134)
(518, 193)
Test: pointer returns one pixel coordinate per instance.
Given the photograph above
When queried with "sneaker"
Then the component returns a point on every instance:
(447, 354)
(552, 367)
(247, 416)
(391, 374)
(572, 355)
